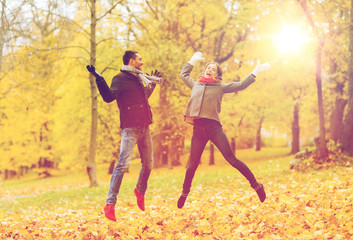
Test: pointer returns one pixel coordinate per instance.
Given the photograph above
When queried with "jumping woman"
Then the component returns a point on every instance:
(203, 112)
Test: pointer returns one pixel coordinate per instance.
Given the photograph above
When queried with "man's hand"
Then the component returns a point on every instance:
(156, 73)
(93, 71)
(155, 77)
(195, 58)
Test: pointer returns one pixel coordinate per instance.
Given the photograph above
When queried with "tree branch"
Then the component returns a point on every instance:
(109, 11)
(69, 20)
(143, 26)
(104, 40)
(153, 11)
(59, 48)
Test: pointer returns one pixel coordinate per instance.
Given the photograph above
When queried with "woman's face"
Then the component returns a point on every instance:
(211, 71)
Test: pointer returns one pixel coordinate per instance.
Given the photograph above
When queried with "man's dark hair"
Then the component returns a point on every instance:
(128, 55)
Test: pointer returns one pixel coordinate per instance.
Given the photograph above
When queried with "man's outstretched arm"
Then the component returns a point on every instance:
(102, 85)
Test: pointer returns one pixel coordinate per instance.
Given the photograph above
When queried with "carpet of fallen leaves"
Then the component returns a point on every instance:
(314, 205)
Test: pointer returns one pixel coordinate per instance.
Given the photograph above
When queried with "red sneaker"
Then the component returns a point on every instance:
(140, 199)
(109, 212)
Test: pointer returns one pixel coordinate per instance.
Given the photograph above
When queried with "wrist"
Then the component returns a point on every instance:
(99, 79)
(192, 63)
(255, 72)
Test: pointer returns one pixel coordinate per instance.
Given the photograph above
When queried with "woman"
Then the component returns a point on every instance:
(203, 112)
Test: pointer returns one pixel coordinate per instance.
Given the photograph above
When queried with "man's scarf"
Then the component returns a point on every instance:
(204, 79)
(146, 79)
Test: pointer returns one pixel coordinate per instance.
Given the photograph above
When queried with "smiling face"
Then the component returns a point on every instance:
(136, 62)
(211, 71)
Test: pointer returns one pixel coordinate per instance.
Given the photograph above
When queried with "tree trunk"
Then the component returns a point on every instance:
(2, 31)
(322, 150)
(43, 139)
(211, 154)
(258, 135)
(161, 139)
(9, 174)
(91, 162)
(337, 119)
(176, 146)
(112, 163)
(323, 153)
(165, 154)
(116, 152)
(347, 134)
(295, 130)
(160, 149)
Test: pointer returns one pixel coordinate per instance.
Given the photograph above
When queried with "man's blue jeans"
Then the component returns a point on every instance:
(129, 138)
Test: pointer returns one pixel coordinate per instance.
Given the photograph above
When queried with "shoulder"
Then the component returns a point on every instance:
(123, 75)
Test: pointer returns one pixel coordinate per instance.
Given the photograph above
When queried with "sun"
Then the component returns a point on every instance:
(290, 39)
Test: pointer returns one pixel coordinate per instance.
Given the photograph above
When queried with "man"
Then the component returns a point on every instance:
(131, 89)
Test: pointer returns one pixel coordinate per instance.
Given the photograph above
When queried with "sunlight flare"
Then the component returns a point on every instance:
(290, 39)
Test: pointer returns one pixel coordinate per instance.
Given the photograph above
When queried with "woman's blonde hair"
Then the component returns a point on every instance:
(219, 69)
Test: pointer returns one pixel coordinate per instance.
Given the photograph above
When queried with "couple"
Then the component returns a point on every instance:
(131, 89)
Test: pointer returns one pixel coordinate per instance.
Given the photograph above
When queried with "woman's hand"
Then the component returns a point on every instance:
(260, 67)
(197, 57)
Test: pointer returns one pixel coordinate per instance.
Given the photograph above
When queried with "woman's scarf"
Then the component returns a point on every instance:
(146, 79)
(204, 79)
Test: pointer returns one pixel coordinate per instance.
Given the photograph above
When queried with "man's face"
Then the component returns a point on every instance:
(137, 62)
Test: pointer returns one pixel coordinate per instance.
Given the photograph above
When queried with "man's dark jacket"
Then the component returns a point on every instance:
(131, 96)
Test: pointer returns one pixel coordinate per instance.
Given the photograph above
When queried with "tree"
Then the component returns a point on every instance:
(347, 136)
(337, 16)
(20, 79)
(295, 130)
(91, 166)
(44, 75)
(10, 32)
(322, 147)
(91, 163)
(2, 30)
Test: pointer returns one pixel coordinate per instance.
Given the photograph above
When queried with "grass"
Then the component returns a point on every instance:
(221, 204)
(67, 188)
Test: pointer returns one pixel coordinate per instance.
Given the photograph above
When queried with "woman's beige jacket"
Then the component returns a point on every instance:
(206, 98)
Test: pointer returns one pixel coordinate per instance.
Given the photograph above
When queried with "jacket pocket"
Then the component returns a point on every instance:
(135, 107)
(136, 113)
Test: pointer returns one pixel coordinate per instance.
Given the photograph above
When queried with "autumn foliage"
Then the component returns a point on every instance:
(314, 205)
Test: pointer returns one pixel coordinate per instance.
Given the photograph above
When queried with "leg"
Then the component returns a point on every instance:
(198, 143)
(145, 148)
(219, 138)
(128, 142)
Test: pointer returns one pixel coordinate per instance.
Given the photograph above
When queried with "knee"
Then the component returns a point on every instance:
(122, 167)
(147, 162)
(148, 167)
(192, 167)
(235, 162)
